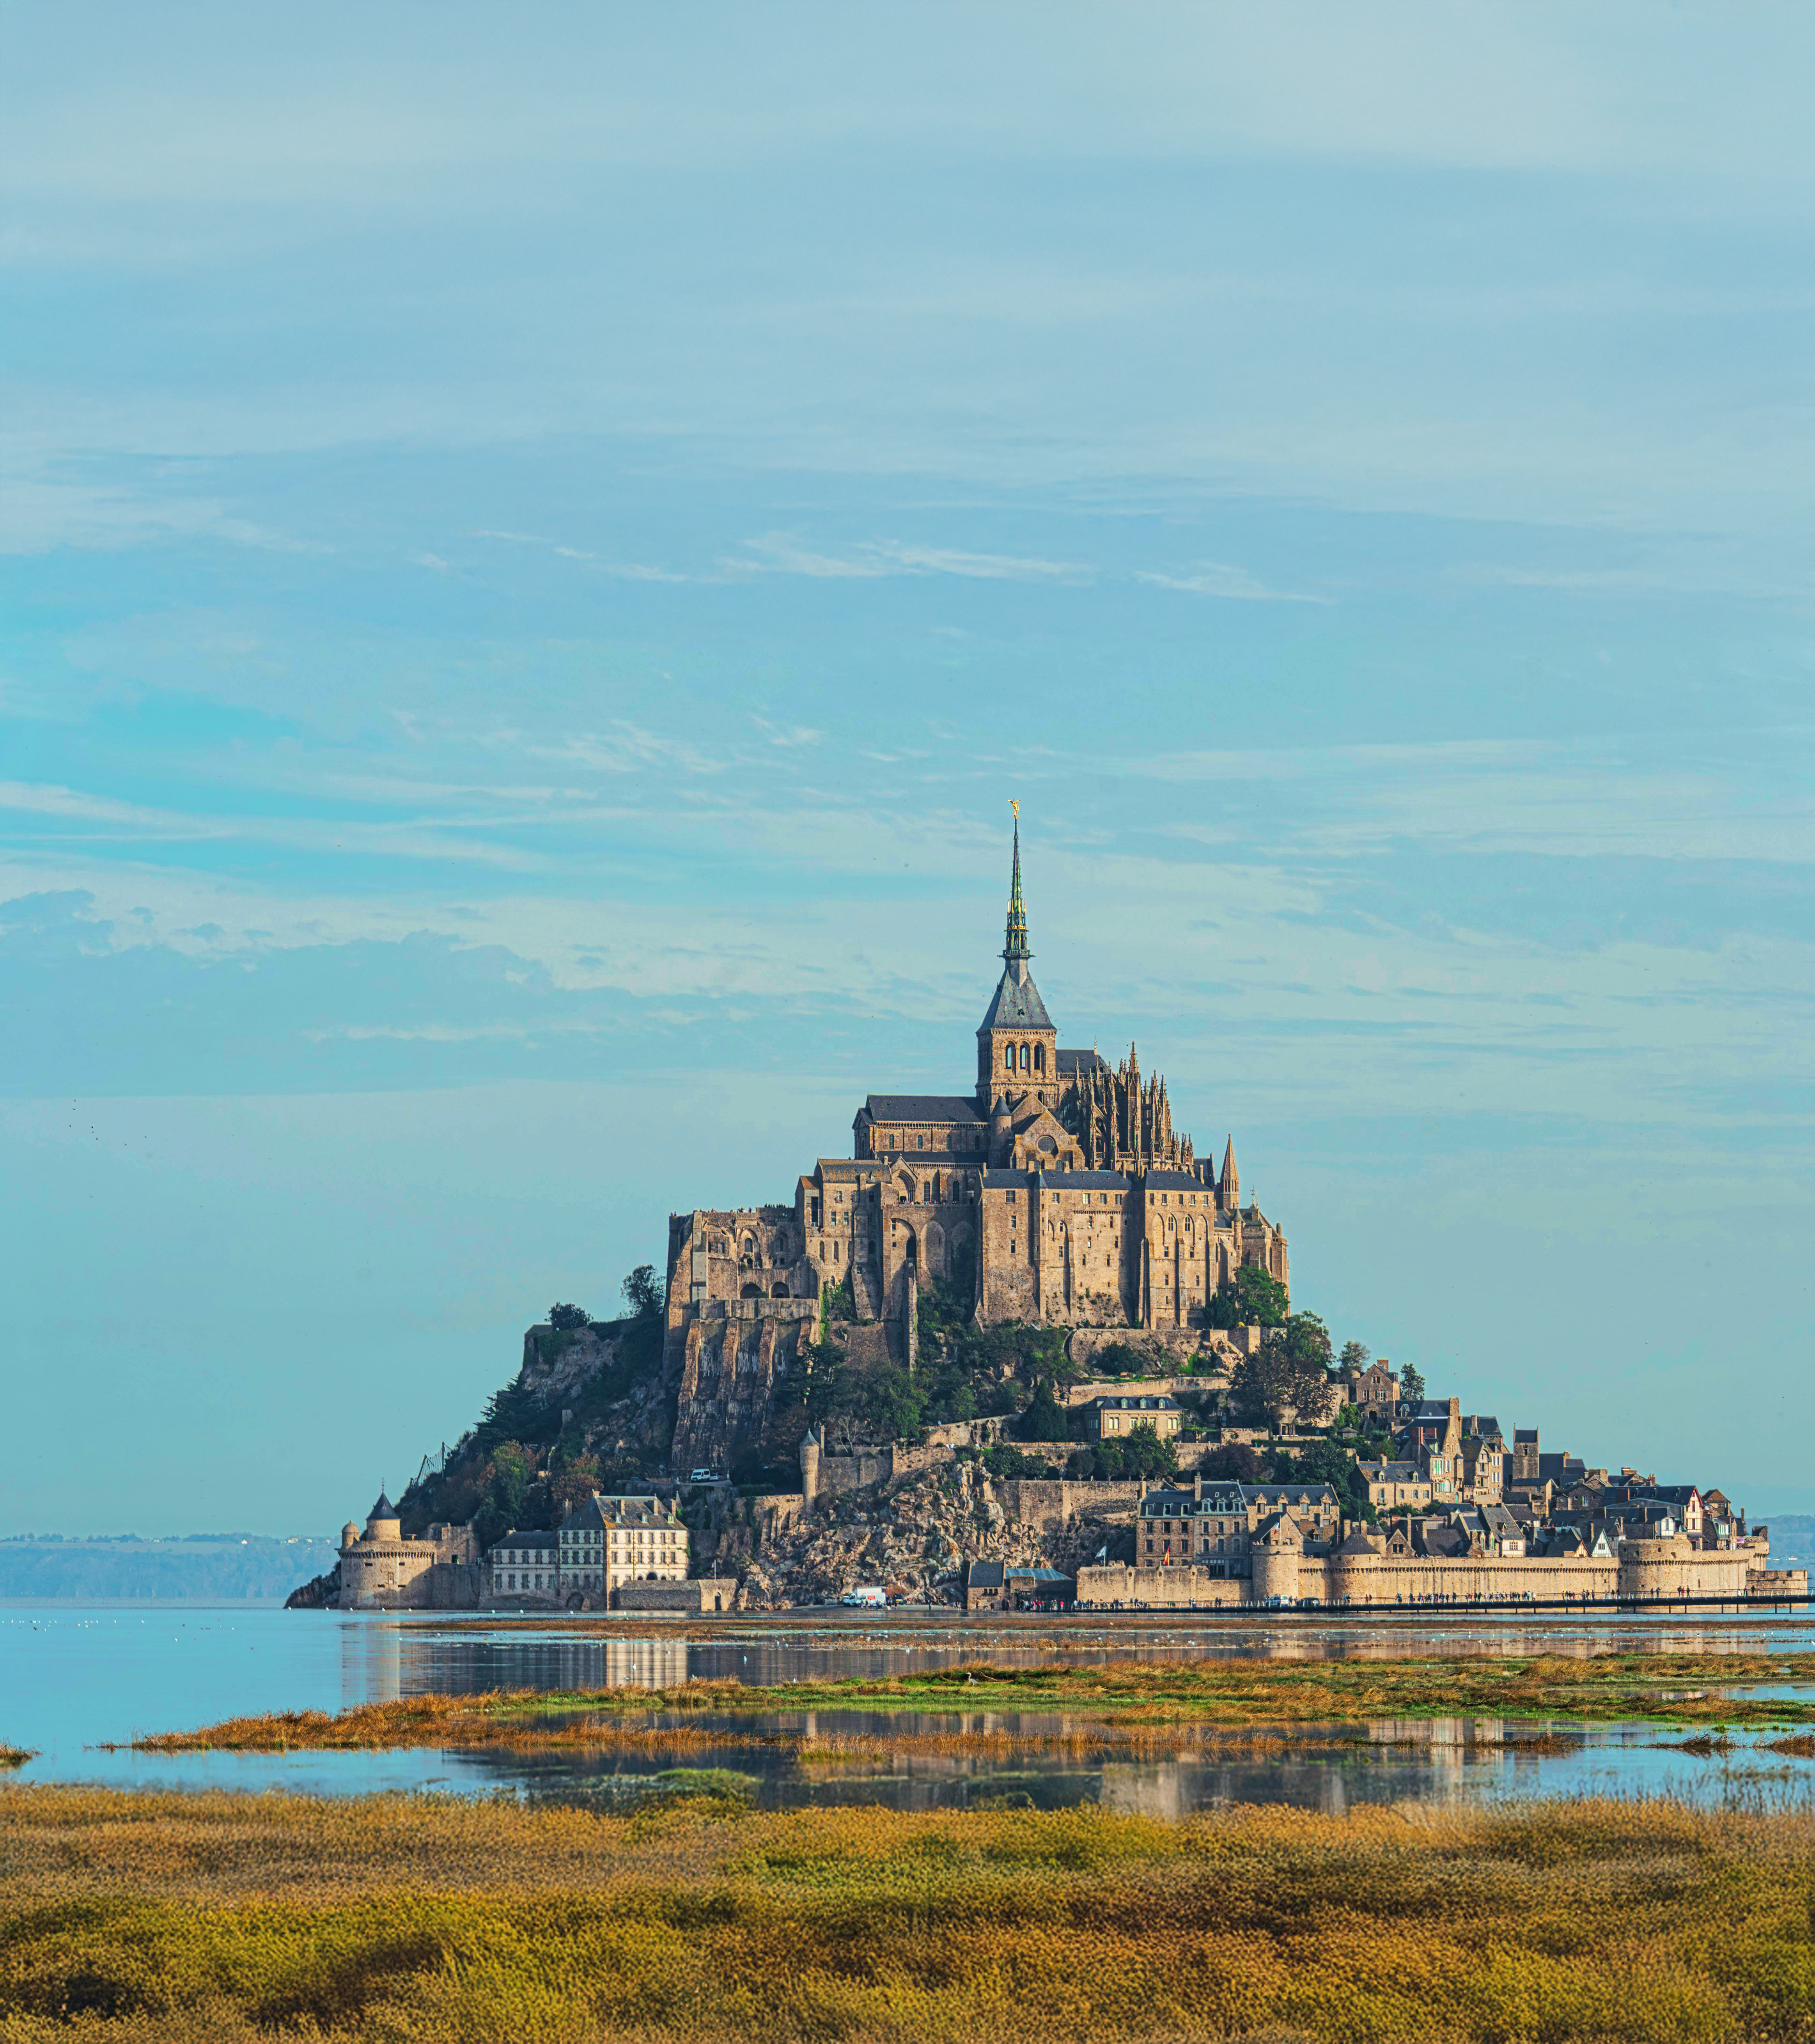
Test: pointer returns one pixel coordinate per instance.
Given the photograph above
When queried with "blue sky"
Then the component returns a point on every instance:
(539, 544)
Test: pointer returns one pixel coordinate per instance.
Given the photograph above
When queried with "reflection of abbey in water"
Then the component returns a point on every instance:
(1057, 1190)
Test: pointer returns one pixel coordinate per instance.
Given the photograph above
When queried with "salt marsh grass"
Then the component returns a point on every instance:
(1667, 1689)
(130, 1917)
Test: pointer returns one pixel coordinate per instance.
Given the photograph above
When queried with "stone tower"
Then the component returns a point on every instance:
(1017, 1046)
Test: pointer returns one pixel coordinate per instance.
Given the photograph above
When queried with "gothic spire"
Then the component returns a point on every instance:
(1015, 947)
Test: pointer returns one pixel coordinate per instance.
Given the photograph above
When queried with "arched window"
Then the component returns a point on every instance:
(1026, 1058)
(1039, 1057)
(778, 1291)
(1008, 1056)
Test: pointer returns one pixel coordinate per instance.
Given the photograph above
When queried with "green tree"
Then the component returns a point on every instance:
(1127, 1359)
(1325, 1462)
(1005, 1461)
(512, 1413)
(861, 1403)
(1253, 1299)
(1145, 1454)
(1411, 1384)
(1291, 1370)
(1356, 1355)
(513, 1470)
(574, 1481)
(565, 1319)
(1045, 1418)
(1236, 1462)
(643, 1291)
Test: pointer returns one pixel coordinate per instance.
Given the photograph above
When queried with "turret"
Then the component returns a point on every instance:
(382, 1522)
(1229, 1190)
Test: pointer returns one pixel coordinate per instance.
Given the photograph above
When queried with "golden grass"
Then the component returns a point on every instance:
(1669, 1688)
(15, 1756)
(130, 1917)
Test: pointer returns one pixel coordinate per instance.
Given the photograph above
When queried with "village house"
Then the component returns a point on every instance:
(608, 1542)
(1213, 1525)
(524, 1565)
(1394, 1485)
(1115, 1418)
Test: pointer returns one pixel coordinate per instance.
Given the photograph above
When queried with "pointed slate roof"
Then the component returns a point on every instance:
(383, 1509)
(1015, 1004)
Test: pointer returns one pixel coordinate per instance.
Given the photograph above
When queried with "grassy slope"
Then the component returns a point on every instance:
(171, 1917)
(1669, 1688)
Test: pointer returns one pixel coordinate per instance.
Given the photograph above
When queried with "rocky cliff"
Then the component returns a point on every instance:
(913, 1537)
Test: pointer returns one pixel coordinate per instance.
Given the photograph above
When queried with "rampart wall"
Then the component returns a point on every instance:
(1647, 1569)
(1056, 1502)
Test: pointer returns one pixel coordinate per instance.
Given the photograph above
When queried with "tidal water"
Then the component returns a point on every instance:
(73, 1682)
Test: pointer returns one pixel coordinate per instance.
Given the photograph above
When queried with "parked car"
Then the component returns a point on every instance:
(703, 1476)
(869, 1595)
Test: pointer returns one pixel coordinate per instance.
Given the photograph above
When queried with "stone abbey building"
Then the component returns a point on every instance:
(1057, 1189)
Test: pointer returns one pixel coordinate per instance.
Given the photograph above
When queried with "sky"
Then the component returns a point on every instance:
(539, 544)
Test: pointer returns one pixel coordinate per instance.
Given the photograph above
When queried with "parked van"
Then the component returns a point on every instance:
(869, 1595)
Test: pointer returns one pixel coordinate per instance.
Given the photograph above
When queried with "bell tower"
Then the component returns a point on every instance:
(1017, 1046)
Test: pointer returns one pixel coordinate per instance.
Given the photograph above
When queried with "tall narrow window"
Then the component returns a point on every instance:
(1008, 1056)
(1039, 1057)
(1024, 1057)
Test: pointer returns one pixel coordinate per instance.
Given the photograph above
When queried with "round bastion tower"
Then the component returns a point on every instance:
(1274, 1558)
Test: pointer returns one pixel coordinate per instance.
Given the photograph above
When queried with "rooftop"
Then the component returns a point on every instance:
(921, 1107)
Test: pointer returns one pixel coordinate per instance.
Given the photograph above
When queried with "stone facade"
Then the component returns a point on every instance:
(380, 1570)
(612, 1545)
(1058, 1189)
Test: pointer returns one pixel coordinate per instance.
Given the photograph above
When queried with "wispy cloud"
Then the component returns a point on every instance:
(627, 748)
(622, 570)
(791, 734)
(40, 514)
(1221, 579)
(781, 553)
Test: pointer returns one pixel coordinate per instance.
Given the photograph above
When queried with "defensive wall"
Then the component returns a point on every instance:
(1646, 1570)
(1044, 1502)
(439, 1586)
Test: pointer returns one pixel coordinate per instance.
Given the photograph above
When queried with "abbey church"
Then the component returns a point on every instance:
(1057, 1190)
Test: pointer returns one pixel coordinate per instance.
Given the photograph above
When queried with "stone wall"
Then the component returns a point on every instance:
(1115, 1582)
(1133, 1387)
(699, 1593)
(1056, 1502)
(437, 1586)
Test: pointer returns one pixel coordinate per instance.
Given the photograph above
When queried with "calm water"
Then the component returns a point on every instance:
(72, 1680)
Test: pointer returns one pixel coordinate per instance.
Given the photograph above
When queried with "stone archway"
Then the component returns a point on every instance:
(935, 1250)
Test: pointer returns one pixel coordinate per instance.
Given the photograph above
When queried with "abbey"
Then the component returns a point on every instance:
(1057, 1189)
